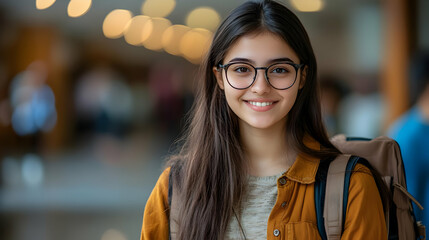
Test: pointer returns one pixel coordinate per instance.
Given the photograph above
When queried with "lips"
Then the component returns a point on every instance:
(260, 105)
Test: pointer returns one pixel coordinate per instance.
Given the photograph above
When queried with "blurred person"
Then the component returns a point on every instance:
(249, 160)
(361, 111)
(165, 82)
(32, 100)
(104, 101)
(411, 131)
(332, 91)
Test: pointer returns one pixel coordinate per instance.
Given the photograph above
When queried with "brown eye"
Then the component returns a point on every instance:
(279, 70)
(242, 69)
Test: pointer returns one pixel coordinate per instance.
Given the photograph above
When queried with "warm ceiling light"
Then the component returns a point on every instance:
(43, 4)
(195, 44)
(158, 8)
(159, 25)
(203, 17)
(308, 5)
(171, 38)
(135, 28)
(115, 22)
(77, 8)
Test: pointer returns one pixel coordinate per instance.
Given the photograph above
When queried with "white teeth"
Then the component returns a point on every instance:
(260, 104)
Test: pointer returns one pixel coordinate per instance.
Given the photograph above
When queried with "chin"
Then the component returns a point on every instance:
(261, 124)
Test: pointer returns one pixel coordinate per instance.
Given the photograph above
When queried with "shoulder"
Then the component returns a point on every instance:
(361, 168)
(157, 204)
(159, 195)
(155, 219)
(363, 186)
(365, 215)
(362, 179)
(163, 180)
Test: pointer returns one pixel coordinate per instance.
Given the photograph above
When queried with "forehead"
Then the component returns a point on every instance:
(260, 48)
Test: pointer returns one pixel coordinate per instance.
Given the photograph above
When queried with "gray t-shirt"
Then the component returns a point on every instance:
(255, 209)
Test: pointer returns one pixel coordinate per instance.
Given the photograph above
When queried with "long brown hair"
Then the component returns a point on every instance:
(209, 169)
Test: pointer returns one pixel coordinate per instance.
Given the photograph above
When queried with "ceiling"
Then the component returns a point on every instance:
(328, 28)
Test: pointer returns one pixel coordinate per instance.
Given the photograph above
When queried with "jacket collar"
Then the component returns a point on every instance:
(305, 167)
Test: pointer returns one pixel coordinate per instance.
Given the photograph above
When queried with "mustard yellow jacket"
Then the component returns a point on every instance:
(294, 215)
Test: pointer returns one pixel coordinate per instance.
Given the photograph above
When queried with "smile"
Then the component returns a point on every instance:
(260, 104)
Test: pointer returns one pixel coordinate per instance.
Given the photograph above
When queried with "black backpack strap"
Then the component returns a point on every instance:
(319, 201)
(319, 196)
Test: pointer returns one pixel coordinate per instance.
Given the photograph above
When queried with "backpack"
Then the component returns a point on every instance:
(331, 192)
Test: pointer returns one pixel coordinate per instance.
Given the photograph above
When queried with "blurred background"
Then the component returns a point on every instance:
(93, 94)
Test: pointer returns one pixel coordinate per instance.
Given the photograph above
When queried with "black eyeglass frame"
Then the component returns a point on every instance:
(295, 65)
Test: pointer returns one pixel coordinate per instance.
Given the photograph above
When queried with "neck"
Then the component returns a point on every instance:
(266, 150)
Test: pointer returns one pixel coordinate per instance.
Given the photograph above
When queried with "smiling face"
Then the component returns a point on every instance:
(260, 106)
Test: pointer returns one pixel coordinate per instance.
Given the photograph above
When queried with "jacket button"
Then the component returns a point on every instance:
(282, 181)
(283, 204)
(276, 232)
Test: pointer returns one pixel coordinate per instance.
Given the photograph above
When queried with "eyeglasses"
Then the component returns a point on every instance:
(281, 76)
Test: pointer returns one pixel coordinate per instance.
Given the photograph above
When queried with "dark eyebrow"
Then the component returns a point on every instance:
(285, 59)
(280, 60)
(241, 60)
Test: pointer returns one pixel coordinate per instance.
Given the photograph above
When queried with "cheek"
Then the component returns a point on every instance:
(290, 99)
(232, 98)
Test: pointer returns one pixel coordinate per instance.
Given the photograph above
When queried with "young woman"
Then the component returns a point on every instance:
(255, 141)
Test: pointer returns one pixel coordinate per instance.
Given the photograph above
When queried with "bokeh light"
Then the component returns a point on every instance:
(138, 30)
(115, 22)
(158, 8)
(308, 5)
(43, 4)
(159, 25)
(171, 38)
(77, 8)
(195, 43)
(203, 17)
(32, 170)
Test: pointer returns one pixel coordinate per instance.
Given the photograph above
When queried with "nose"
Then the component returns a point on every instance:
(260, 86)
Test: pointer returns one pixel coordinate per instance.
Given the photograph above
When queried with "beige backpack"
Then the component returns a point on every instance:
(383, 154)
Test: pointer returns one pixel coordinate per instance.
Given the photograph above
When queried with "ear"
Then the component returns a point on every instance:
(303, 77)
(218, 75)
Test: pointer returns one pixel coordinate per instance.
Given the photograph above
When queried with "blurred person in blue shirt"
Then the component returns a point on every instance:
(411, 131)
